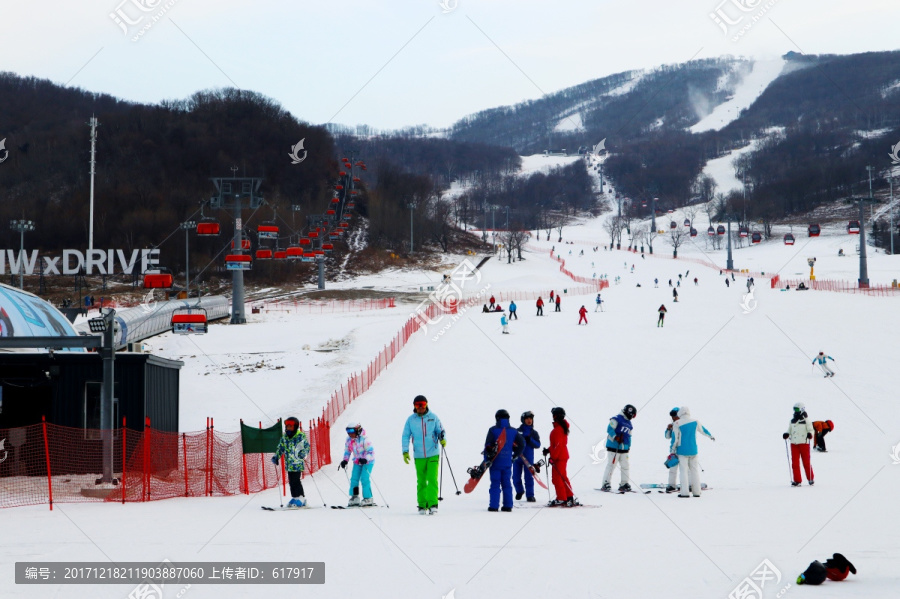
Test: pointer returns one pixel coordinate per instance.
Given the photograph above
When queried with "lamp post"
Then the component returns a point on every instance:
(187, 226)
(21, 226)
(507, 218)
(484, 208)
(412, 208)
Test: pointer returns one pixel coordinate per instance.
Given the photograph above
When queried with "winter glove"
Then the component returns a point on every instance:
(785, 435)
(275, 459)
(362, 461)
(619, 439)
(809, 435)
(443, 443)
(406, 457)
(545, 452)
(712, 438)
(343, 464)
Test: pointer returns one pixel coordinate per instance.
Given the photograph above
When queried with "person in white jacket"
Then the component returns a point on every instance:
(670, 434)
(800, 431)
(685, 447)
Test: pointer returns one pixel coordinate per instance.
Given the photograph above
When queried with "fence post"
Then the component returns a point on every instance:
(47, 458)
(246, 484)
(124, 446)
(184, 452)
(212, 453)
(145, 491)
(262, 462)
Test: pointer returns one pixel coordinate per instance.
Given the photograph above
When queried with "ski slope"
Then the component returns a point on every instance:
(739, 372)
(763, 73)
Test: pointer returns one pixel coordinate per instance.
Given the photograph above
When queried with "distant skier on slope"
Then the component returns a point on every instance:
(618, 444)
(501, 464)
(294, 446)
(558, 299)
(582, 312)
(821, 359)
(662, 316)
(505, 324)
(685, 444)
(512, 311)
(558, 453)
(532, 442)
(540, 306)
(424, 429)
(820, 429)
(800, 431)
(599, 301)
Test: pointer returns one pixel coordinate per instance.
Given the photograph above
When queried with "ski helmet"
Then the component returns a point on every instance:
(354, 427)
(419, 398)
(528, 414)
(629, 411)
(291, 426)
(558, 413)
(673, 413)
(501, 414)
(799, 407)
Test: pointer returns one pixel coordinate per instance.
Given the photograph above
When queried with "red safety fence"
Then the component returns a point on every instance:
(330, 307)
(598, 284)
(47, 463)
(844, 286)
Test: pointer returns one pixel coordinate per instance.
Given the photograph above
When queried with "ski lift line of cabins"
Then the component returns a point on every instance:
(814, 230)
(853, 227)
(756, 237)
(788, 239)
(189, 321)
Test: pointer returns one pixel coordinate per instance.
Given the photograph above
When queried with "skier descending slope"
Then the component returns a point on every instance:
(425, 430)
(821, 359)
(359, 450)
(294, 446)
(800, 432)
(618, 443)
(532, 442)
(685, 444)
(559, 458)
(501, 464)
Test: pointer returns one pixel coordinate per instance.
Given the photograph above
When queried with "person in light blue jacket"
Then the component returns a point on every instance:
(685, 445)
(505, 324)
(821, 359)
(424, 429)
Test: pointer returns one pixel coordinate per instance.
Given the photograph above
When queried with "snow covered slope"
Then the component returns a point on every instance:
(739, 372)
(764, 72)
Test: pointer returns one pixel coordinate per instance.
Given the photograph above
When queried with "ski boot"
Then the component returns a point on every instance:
(506, 509)
(432, 511)
(624, 488)
(606, 487)
(671, 489)
(793, 484)
(367, 502)
(422, 511)
(519, 496)
(354, 501)
(530, 499)
(556, 503)
(297, 502)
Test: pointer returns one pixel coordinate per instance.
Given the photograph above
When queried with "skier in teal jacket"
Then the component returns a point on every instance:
(426, 432)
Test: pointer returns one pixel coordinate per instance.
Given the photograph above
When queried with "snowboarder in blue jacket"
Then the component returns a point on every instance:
(512, 311)
(618, 444)
(532, 442)
(501, 466)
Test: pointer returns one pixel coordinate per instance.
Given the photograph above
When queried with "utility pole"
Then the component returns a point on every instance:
(412, 209)
(188, 226)
(93, 123)
(21, 226)
(891, 179)
(507, 218)
(729, 263)
(484, 226)
(863, 262)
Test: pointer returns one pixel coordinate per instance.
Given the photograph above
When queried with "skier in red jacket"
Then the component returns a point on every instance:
(583, 313)
(540, 307)
(559, 457)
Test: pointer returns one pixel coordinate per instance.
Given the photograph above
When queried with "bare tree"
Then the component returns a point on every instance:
(691, 213)
(559, 227)
(613, 227)
(676, 238)
(650, 234)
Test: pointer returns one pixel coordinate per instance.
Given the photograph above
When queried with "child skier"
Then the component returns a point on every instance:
(822, 364)
(820, 429)
(673, 470)
(582, 312)
(505, 324)
(559, 458)
(618, 443)
(294, 446)
(512, 310)
(800, 432)
(662, 316)
(501, 464)
(599, 303)
(532, 442)
(540, 306)
(358, 449)
(425, 430)
(685, 446)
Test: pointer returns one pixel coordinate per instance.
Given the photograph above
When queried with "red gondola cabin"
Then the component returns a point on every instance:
(814, 230)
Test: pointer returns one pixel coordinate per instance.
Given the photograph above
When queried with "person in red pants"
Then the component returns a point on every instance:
(583, 314)
(559, 458)
(800, 432)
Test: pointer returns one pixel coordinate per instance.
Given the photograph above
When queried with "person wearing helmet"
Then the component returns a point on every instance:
(673, 469)
(502, 460)
(359, 450)
(662, 316)
(685, 447)
(618, 443)
(821, 359)
(532, 442)
(424, 429)
(582, 313)
(820, 429)
(505, 324)
(558, 453)
(294, 446)
(800, 431)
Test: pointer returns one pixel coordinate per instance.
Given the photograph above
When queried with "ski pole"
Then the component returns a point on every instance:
(450, 468)
(316, 485)
(788, 454)
(383, 498)
(441, 478)
(278, 484)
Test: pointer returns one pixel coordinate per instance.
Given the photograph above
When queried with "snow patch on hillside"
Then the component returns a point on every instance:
(754, 84)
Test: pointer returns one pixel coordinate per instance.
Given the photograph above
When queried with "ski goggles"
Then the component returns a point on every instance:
(420, 404)
(351, 431)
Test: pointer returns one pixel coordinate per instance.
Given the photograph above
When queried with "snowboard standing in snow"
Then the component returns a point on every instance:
(476, 472)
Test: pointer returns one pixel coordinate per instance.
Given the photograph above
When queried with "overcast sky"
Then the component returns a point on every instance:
(391, 63)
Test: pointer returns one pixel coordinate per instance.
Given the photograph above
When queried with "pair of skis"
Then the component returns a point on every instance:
(662, 487)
